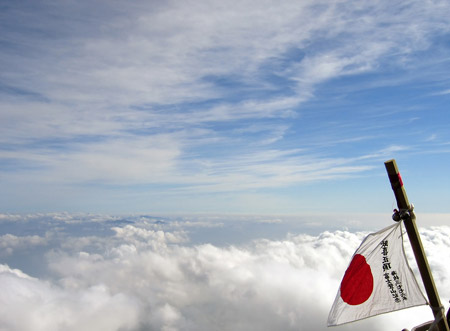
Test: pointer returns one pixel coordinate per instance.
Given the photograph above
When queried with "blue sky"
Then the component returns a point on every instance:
(205, 106)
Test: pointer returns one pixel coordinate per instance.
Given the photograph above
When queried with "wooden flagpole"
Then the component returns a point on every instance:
(406, 213)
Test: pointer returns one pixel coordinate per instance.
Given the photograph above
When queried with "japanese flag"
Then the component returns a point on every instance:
(378, 279)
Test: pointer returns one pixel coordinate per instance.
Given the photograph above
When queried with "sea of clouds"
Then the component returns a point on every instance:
(90, 272)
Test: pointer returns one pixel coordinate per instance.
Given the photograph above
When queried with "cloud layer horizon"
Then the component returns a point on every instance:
(143, 273)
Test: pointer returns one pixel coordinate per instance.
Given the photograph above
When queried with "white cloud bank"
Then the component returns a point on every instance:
(140, 277)
(9, 242)
(33, 304)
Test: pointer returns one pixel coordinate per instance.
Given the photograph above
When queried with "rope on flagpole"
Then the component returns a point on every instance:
(439, 314)
(404, 214)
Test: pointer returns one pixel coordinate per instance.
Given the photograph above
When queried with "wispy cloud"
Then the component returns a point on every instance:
(445, 92)
(120, 93)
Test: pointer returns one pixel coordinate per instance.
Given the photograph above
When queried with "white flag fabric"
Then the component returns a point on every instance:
(378, 279)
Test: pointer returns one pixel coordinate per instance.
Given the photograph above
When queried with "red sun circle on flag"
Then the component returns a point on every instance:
(357, 284)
